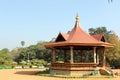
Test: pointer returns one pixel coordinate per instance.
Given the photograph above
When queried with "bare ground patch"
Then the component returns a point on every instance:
(30, 74)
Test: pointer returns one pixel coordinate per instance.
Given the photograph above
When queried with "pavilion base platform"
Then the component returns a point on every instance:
(72, 69)
(70, 73)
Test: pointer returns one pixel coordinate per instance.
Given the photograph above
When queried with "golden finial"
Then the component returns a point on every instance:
(77, 18)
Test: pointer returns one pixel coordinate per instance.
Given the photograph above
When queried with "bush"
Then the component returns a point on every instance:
(37, 62)
(14, 64)
(23, 63)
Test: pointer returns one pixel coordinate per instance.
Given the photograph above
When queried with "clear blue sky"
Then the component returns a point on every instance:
(40, 20)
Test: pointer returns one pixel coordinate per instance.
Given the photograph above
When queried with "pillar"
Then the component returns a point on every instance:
(97, 58)
(53, 55)
(104, 58)
(94, 51)
(71, 54)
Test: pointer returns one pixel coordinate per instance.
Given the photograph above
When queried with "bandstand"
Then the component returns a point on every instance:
(89, 50)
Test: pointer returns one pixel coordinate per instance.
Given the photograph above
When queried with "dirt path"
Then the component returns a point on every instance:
(29, 74)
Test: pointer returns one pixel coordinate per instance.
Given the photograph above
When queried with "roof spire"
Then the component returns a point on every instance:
(77, 18)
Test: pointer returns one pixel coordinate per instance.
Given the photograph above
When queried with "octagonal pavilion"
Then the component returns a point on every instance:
(82, 52)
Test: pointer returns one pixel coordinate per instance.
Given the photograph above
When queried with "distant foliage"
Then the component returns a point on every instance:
(113, 54)
(37, 54)
(33, 52)
(4, 57)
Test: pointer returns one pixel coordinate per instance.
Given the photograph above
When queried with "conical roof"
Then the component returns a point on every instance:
(77, 37)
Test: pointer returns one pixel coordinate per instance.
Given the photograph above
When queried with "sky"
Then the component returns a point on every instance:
(33, 21)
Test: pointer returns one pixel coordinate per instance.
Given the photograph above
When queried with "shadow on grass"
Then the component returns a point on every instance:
(44, 73)
(47, 74)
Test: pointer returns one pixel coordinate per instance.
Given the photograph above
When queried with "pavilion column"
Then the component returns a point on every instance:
(104, 58)
(97, 58)
(53, 55)
(71, 55)
(94, 51)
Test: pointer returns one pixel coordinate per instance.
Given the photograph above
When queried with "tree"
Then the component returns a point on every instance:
(22, 43)
(100, 30)
(14, 54)
(4, 57)
(113, 54)
(37, 51)
(110, 1)
(5, 50)
(38, 62)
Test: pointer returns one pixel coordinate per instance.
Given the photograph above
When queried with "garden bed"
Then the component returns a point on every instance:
(47, 74)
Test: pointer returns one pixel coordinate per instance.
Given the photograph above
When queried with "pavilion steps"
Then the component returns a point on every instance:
(107, 71)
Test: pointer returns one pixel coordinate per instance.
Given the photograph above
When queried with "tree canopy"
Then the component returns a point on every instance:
(113, 54)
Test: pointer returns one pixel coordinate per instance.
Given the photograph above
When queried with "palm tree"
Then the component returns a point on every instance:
(110, 1)
(22, 43)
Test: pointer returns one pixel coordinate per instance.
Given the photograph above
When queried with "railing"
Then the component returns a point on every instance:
(73, 65)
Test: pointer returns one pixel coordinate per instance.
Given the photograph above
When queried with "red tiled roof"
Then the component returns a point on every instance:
(79, 37)
(98, 36)
(65, 36)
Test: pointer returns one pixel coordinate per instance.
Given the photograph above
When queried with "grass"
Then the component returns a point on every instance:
(47, 74)
(100, 76)
(43, 73)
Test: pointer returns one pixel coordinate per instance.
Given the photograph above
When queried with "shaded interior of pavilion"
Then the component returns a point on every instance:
(80, 55)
